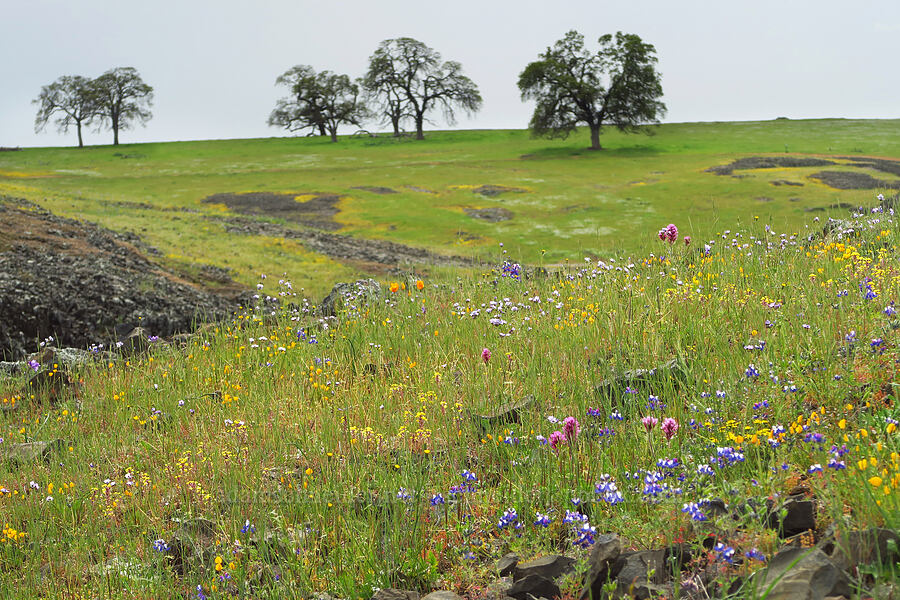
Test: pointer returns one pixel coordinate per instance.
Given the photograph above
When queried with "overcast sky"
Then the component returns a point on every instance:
(213, 64)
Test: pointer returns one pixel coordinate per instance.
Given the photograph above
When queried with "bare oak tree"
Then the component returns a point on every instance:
(411, 79)
(70, 98)
(122, 99)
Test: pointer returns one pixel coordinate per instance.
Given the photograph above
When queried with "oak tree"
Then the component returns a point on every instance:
(320, 102)
(617, 85)
(71, 100)
(122, 99)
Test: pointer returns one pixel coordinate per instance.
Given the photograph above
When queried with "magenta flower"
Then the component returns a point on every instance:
(687, 240)
(485, 355)
(668, 233)
(557, 438)
(572, 428)
(649, 423)
(669, 428)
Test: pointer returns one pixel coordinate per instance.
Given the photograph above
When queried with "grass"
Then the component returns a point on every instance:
(577, 202)
(346, 455)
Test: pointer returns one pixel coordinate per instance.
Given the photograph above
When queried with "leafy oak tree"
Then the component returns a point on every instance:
(69, 98)
(320, 102)
(122, 99)
(617, 85)
(412, 79)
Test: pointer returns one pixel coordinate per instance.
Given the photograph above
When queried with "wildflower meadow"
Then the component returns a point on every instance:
(680, 394)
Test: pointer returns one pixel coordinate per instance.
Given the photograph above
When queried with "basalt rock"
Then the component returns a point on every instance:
(673, 372)
(358, 293)
(551, 567)
(505, 413)
(802, 573)
(534, 586)
(606, 549)
(76, 281)
(28, 452)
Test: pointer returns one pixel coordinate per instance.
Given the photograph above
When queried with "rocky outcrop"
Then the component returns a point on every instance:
(77, 282)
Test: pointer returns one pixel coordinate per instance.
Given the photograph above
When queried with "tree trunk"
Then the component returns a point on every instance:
(420, 134)
(395, 123)
(322, 129)
(115, 128)
(334, 135)
(595, 137)
(80, 142)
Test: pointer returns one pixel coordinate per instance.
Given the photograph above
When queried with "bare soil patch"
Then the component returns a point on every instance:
(850, 180)
(780, 182)
(421, 190)
(491, 190)
(374, 189)
(492, 215)
(879, 164)
(317, 212)
(836, 206)
(359, 251)
(768, 162)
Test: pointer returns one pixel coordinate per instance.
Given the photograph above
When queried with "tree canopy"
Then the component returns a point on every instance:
(122, 99)
(320, 102)
(71, 99)
(411, 79)
(618, 85)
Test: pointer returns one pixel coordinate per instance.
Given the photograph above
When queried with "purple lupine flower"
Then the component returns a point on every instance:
(754, 554)
(693, 509)
(723, 552)
(542, 520)
(510, 517)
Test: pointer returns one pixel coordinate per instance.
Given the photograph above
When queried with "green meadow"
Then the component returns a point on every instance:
(570, 202)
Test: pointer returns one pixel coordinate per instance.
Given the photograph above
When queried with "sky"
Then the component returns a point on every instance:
(213, 64)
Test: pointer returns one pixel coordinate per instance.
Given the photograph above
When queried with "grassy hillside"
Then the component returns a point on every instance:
(569, 202)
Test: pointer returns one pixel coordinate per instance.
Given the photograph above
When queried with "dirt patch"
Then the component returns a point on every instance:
(780, 182)
(491, 190)
(492, 215)
(879, 164)
(465, 236)
(836, 206)
(763, 199)
(344, 247)
(77, 282)
(315, 210)
(374, 189)
(850, 180)
(768, 162)
(421, 190)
